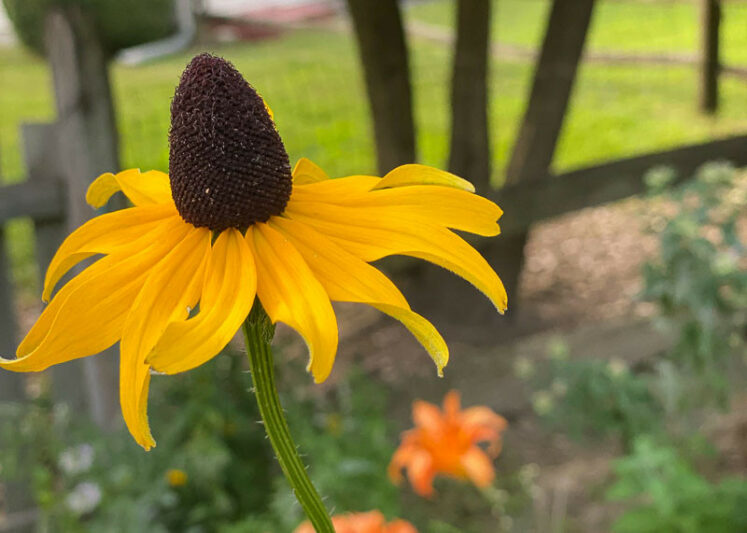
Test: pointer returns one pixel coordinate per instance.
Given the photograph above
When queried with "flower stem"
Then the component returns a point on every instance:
(258, 332)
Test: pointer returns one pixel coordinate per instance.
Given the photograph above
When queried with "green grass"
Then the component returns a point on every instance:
(637, 26)
(312, 81)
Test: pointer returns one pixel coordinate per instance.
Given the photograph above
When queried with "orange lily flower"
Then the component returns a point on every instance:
(446, 442)
(370, 522)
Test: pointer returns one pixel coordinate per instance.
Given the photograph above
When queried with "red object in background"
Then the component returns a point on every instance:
(266, 22)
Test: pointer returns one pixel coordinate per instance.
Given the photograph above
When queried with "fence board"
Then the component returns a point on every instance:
(28, 200)
(87, 147)
(15, 497)
(554, 195)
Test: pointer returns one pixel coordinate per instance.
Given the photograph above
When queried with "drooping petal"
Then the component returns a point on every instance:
(165, 297)
(227, 297)
(478, 467)
(105, 234)
(290, 293)
(88, 314)
(347, 278)
(370, 237)
(146, 188)
(306, 171)
(442, 206)
(413, 174)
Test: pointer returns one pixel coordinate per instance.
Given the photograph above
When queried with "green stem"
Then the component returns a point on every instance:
(258, 333)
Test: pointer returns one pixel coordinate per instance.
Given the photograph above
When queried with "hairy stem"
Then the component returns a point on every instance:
(258, 333)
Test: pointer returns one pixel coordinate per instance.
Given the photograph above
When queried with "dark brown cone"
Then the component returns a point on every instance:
(227, 163)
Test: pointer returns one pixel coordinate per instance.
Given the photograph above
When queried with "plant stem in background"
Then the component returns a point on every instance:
(258, 333)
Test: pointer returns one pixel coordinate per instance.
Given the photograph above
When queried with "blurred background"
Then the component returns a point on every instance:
(611, 132)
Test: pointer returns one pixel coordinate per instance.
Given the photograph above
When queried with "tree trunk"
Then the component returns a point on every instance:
(551, 90)
(710, 20)
(554, 77)
(470, 148)
(383, 52)
(87, 142)
(454, 307)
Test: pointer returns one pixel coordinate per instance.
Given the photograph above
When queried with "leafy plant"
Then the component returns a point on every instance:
(699, 280)
(87, 480)
(119, 23)
(669, 496)
(595, 398)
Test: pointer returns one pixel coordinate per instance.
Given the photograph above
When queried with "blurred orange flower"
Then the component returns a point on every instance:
(445, 442)
(370, 522)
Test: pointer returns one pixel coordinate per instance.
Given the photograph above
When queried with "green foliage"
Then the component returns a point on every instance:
(670, 497)
(594, 398)
(699, 285)
(207, 426)
(86, 480)
(699, 282)
(120, 23)
(347, 441)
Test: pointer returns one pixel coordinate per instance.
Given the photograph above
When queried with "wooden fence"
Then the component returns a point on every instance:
(61, 159)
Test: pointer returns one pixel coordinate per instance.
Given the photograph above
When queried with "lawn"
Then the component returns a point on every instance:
(636, 26)
(312, 81)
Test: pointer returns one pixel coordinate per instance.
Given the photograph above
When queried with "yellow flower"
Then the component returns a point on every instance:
(232, 222)
(176, 477)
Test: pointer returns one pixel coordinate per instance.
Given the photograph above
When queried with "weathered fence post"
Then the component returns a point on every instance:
(11, 385)
(15, 498)
(469, 155)
(87, 144)
(42, 160)
(710, 22)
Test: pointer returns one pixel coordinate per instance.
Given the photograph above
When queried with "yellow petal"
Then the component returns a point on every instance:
(366, 234)
(334, 190)
(306, 171)
(413, 174)
(425, 333)
(291, 294)
(164, 298)
(88, 314)
(105, 234)
(227, 297)
(269, 111)
(347, 278)
(444, 206)
(145, 188)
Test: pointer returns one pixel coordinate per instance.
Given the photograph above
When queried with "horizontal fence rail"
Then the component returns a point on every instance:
(553, 195)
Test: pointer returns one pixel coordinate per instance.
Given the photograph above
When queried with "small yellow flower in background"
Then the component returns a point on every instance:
(446, 442)
(232, 222)
(176, 477)
(370, 522)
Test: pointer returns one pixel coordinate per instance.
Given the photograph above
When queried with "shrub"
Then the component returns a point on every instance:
(671, 497)
(119, 23)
